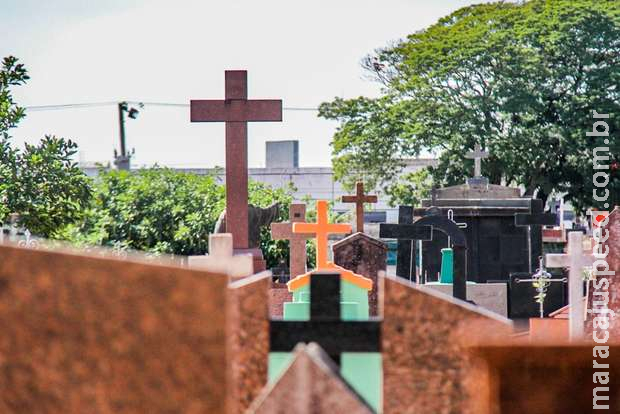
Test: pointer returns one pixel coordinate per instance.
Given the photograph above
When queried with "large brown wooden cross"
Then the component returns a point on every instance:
(236, 110)
(359, 199)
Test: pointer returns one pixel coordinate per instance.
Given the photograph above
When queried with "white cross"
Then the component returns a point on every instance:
(575, 260)
(221, 259)
(477, 155)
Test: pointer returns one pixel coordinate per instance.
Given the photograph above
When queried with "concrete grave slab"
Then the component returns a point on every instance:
(490, 296)
(424, 343)
(86, 334)
(248, 340)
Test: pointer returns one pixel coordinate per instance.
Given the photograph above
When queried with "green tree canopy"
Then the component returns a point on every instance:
(521, 79)
(160, 210)
(41, 183)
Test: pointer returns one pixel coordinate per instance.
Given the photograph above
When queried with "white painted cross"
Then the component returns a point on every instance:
(575, 260)
(221, 259)
(477, 155)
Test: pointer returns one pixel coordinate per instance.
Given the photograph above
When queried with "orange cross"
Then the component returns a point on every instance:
(322, 229)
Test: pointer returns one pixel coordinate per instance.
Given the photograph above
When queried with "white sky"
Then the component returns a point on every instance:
(305, 53)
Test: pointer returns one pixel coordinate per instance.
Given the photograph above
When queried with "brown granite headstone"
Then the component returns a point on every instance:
(248, 340)
(86, 334)
(278, 295)
(613, 285)
(364, 255)
(541, 378)
(424, 340)
(310, 385)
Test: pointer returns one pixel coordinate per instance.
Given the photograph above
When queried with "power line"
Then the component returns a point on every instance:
(145, 103)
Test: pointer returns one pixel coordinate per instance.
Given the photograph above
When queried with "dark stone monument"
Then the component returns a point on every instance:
(497, 247)
(521, 293)
(365, 256)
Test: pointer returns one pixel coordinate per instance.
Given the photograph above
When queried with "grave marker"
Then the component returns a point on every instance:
(477, 155)
(405, 232)
(236, 110)
(542, 279)
(321, 229)
(297, 241)
(359, 199)
(534, 220)
(364, 255)
(575, 260)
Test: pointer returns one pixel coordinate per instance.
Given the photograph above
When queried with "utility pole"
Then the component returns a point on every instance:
(123, 160)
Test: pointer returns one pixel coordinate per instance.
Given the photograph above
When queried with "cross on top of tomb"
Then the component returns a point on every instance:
(359, 199)
(477, 155)
(236, 110)
(321, 229)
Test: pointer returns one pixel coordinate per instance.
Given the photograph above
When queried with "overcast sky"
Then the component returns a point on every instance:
(305, 53)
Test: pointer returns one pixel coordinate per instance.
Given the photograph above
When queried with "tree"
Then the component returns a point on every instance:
(160, 210)
(41, 183)
(520, 79)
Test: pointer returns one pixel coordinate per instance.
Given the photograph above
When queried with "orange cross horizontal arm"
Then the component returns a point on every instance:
(322, 229)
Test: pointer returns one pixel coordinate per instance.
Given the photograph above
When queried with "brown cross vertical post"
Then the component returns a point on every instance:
(297, 241)
(236, 110)
(359, 199)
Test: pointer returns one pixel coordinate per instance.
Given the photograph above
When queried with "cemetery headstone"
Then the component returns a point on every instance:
(363, 255)
(424, 338)
(406, 233)
(534, 220)
(236, 110)
(88, 334)
(297, 241)
(321, 229)
(540, 282)
(575, 260)
(359, 199)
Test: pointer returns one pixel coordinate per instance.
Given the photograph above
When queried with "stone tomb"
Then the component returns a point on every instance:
(363, 255)
(497, 247)
(90, 334)
(425, 339)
